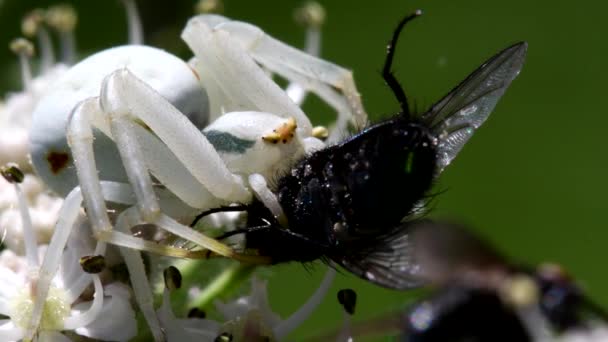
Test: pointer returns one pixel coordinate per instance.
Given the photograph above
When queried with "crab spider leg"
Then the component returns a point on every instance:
(170, 172)
(234, 75)
(312, 73)
(80, 137)
(123, 94)
(162, 163)
(266, 196)
(164, 222)
(120, 193)
(312, 46)
(139, 279)
(135, 166)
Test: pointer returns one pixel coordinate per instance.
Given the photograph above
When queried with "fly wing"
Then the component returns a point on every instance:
(447, 252)
(388, 261)
(419, 252)
(455, 117)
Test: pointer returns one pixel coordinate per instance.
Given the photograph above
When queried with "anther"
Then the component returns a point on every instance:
(12, 173)
(209, 6)
(93, 263)
(196, 313)
(32, 22)
(348, 299)
(520, 291)
(22, 46)
(62, 18)
(173, 278)
(311, 14)
(33, 25)
(224, 337)
(24, 49)
(320, 132)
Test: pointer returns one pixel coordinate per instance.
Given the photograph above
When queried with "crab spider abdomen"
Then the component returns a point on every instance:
(167, 74)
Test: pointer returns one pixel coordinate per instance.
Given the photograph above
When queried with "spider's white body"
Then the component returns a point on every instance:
(165, 73)
(126, 125)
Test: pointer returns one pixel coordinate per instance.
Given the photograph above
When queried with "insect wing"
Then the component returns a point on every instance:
(388, 263)
(445, 252)
(455, 117)
(420, 252)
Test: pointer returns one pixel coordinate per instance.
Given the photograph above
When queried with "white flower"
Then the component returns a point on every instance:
(246, 319)
(597, 332)
(44, 208)
(15, 118)
(108, 316)
(16, 115)
(45, 299)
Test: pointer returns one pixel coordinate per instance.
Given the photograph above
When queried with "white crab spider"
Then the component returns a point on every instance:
(138, 99)
(140, 105)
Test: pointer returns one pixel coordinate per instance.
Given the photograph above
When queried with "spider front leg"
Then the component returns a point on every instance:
(229, 53)
(125, 99)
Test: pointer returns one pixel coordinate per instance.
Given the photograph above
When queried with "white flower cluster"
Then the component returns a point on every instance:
(43, 281)
(56, 279)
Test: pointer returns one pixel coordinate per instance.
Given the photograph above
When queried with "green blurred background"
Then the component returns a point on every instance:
(532, 180)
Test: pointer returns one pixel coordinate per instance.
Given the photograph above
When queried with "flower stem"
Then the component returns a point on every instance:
(224, 282)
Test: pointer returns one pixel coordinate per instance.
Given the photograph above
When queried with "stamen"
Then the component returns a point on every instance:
(311, 15)
(320, 132)
(224, 337)
(197, 313)
(136, 32)
(288, 325)
(24, 50)
(89, 316)
(348, 299)
(63, 19)
(33, 25)
(52, 259)
(209, 6)
(93, 263)
(139, 279)
(77, 287)
(13, 175)
(173, 279)
(226, 280)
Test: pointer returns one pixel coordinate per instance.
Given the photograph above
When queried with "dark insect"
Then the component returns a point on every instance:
(483, 297)
(346, 203)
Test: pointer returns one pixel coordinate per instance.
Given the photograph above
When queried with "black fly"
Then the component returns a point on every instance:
(346, 203)
(482, 296)
(485, 297)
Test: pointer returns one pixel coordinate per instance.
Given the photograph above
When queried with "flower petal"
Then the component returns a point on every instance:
(116, 321)
(9, 332)
(52, 336)
(91, 315)
(190, 329)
